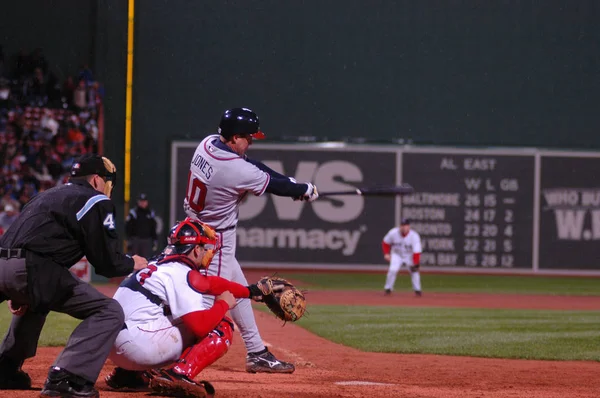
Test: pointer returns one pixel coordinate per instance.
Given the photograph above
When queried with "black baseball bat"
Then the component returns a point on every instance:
(378, 190)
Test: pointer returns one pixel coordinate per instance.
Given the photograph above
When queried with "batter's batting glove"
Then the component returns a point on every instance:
(311, 193)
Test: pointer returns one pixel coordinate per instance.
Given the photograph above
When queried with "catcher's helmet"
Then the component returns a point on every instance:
(242, 121)
(187, 234)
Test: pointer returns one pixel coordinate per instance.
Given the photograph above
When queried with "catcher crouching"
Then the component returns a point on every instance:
(168, 337)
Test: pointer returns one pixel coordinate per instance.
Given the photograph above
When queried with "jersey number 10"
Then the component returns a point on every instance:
(196, 193)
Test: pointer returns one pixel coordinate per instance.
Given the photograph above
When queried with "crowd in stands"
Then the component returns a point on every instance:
(44, 124)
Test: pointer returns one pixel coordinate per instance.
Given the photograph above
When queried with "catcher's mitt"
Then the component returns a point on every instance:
(282, 298)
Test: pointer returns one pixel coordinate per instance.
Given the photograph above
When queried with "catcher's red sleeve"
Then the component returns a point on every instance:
(416, 258)
(215, 285)
(203, 322)
(386, 247)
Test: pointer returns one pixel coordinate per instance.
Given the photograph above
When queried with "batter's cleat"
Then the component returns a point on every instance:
(11, 375)
(64, 384)
(418, 293)
(168, 383)
(129, 380)
(265, 362)
(387, 292)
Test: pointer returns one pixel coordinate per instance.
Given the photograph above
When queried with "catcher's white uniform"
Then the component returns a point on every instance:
(218, 181)
(153, 339)
(403, 249)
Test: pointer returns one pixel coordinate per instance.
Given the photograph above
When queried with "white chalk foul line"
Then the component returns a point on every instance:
(361, 383)
(292, 355)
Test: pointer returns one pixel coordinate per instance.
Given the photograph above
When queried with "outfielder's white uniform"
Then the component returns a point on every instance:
(153, 339)
(402, 250)
(218, 181)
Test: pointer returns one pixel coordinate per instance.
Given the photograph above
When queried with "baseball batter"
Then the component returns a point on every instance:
(166, 320)
(220, 177)
(402, 246)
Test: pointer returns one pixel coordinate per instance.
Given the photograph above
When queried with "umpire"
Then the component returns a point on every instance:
(54, 231)
(140, 228)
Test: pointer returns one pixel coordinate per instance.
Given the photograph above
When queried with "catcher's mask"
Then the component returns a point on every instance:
(94, 164)
(189, 233)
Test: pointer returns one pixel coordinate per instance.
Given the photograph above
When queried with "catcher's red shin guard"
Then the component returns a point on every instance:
(197, 357)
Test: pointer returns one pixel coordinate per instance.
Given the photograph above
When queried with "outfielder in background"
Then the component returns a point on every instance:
(166, 322)
(220, 177)
(402, 246)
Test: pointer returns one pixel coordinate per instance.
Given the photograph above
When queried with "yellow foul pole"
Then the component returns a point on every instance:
(128, 106)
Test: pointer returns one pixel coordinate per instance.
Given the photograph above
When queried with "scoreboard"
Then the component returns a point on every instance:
(473, 210)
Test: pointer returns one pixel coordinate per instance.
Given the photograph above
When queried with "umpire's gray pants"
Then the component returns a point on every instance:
(91, 341)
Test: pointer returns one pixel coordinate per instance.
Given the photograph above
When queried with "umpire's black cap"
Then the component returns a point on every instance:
(143, 196)
(90, 163)
(405, 221)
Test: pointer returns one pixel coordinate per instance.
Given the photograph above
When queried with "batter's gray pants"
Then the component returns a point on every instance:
(91, 341)
(225, 265)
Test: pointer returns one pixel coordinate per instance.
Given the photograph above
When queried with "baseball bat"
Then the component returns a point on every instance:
(379, 190)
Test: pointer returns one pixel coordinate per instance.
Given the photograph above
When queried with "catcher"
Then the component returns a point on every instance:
(169, 337)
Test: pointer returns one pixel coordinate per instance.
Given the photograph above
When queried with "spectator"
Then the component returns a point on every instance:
(140, 228)
(80, 96)
(6, 100)
(40, 132)
(22, 65)
(86, 74)
(93, 95)
(28, 191)
(8, 216)
(36, 85)
(68, 91)
(7, 192)
(74, 135)
(37, 60)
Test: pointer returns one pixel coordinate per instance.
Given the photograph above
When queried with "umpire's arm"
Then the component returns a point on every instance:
(102, 243)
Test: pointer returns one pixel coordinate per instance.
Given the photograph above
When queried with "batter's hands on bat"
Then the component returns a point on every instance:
(139, 262)
(311, 193)
(18, 311)
(387, 257)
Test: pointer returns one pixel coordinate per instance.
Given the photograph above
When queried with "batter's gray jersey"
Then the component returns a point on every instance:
(217, 183)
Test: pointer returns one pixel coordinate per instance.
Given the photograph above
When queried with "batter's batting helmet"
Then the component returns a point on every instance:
(240, 121)
(186, 234)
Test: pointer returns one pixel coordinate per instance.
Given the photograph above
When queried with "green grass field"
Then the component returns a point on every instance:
(56, 331)
(555, 335)
(451, 283)
(494, 333)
